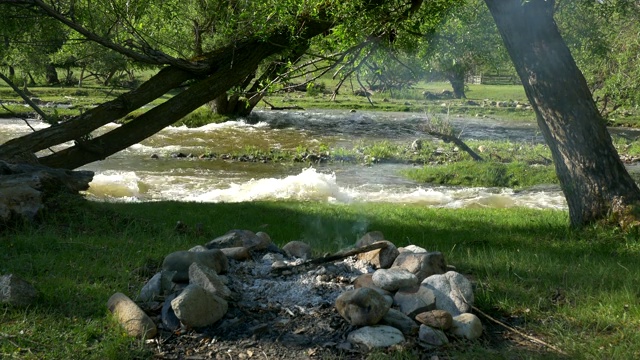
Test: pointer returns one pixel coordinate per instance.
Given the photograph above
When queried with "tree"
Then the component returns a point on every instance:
(232, 58)
(593, 179)
(466, 42)
(603, 37)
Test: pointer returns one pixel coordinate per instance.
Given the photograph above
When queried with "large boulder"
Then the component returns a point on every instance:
(196, 307)
(453, 292)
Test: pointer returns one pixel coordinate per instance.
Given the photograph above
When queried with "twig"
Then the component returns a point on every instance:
(528, 337)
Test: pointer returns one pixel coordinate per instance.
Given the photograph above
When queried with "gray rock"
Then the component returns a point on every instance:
(16, 291)
(366, 280)
(369, 238)
(180, 261)
(169, 319)
(208, 280)
(234, 238)
(131, 317)
(400, 321)
(394, 279)
(198, 248)
(363, 306)
(453, 292)
(380, 258)
(151, 289)
(467, 325)
(429, 337)
(196, 307)
(437, 319)
(380, 336)
(265, 241)
(239, 253)
(297, 249)
(413, 301)
(412, 249)
(422, 265)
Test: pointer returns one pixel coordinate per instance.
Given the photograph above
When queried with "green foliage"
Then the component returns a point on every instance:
(603, 37)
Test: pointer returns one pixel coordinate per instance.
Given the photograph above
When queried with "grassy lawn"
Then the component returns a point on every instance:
(575, 290)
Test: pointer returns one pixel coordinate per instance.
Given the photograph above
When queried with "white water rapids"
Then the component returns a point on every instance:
(132, 175)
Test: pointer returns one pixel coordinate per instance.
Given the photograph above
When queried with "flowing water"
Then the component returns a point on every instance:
(134, 175)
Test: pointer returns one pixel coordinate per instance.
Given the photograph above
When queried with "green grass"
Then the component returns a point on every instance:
(575, 290)
(488, 174)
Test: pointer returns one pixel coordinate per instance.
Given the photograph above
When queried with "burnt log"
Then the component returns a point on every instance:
(27, 190)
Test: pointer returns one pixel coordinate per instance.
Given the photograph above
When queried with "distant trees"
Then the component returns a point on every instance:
(603, 37)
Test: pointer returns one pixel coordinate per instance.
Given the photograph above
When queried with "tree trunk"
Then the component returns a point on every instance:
(51, 75)
(230, 67)
(456, 75)
(593, 179)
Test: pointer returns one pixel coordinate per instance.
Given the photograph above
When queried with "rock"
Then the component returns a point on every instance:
(437, 319)
(366, 280)
(394, 279)
(363, 306)
(369, 238)
(430, 337)
(413, 249)
(422, 265)
(151, 288)
(381, 258)
(297, 249)
(380, 336)
(236, 238)
(265, 240)
(27, 189)
(131, 317)
(413, 301)
(16, 291)
(208, 280)
(453, 292)
(239, 253)
(196, 307)
(467, 325)
(198, 248)
(169, 319)
(400, 321)
(180, 261)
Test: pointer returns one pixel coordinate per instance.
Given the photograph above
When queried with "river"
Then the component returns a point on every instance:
(135, 175)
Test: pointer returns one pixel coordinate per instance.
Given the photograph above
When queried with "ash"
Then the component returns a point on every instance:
(256, 282)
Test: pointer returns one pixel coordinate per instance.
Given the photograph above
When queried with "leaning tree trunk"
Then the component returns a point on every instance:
(593, 179)
(213, 76)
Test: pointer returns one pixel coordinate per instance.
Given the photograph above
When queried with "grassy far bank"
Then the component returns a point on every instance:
(493, 101)
(575, 290)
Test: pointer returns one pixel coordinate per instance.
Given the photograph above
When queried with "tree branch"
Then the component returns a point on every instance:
(26, 99)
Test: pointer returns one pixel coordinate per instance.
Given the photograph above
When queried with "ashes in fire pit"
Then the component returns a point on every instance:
(240, 296)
